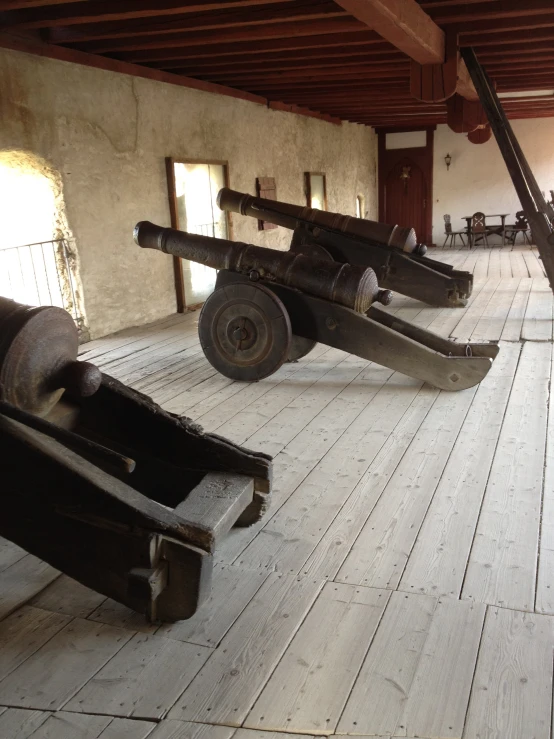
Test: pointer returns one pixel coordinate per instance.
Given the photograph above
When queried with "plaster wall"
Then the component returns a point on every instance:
(478, 178)
(108, 135)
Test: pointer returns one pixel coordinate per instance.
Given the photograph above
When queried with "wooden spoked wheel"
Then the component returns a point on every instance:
(245, 331)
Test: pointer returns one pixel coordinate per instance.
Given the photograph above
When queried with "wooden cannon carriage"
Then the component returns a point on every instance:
(269, 307)
(106, 486)
(392, 252)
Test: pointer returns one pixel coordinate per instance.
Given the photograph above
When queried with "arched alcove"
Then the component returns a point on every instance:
(38, 260)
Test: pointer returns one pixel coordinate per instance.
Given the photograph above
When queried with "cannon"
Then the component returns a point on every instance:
(106, 486)
(391, 251)
(269, 307)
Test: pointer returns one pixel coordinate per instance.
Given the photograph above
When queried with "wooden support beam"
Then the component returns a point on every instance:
(404, 24)
(195, 22)
(283, 45)
(236, 35)
(76, 13)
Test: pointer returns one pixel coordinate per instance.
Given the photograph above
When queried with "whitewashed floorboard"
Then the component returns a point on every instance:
(227, 686)
(311, 684)
(143, 680)
(512, 690)
(20, 723)
(438, 561)
(381, 551)
(171, 729)
(22, 580)
(503, 560)
(53, 674)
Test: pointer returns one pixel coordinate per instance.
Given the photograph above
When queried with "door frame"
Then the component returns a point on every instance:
(170, 173)
(387, 159)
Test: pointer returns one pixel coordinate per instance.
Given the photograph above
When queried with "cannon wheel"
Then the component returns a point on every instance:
(245, 331)
(300, 346)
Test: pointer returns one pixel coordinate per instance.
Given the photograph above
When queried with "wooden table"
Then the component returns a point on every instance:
(495, 229)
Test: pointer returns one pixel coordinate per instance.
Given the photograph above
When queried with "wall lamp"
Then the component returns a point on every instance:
(448, 161)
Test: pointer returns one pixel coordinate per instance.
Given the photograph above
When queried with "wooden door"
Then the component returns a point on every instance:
(406, 185)
(405, 196)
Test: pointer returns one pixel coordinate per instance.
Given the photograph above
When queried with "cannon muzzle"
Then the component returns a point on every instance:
(291, 216)
(348, 285)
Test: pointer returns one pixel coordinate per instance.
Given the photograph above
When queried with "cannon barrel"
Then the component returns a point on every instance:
(291, 216)
(348, 285)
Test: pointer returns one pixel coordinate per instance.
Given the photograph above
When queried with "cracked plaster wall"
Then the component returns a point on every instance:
(108, 135)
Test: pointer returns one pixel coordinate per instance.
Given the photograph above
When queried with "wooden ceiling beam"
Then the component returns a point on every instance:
(302, 71)
(18, 4)
(481, 41)
(368, 53)
(246, 68)
(308, 76)
(221, 36)
(487, 11)
(496, 26)
(292, 45)
(75, 13)
(307, 10)
(405, 24)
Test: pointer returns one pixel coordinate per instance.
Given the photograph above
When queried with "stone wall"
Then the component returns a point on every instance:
(108, 134)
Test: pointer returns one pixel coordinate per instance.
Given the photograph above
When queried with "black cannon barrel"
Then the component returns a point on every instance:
(291, 216)
(351, 286)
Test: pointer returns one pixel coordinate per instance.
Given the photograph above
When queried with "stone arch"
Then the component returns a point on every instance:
(39, 260)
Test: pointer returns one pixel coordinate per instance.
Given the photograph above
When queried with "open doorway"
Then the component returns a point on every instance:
(37, 257)
(193, 188)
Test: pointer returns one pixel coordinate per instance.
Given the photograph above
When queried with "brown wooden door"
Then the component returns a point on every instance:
(406, 185)
(406, 196)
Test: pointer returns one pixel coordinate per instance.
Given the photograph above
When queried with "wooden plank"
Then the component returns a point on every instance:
(10, 553)
(232, 679)
(143, 680)
(514, 321)
(534, 265)
(232, 589)
(122, 728)
(376, 703)
(22, 580)
(512, 690)
(245, 423)
(404, 24)
(544, 600)
(502, 564)
(116, 614)
(519, 267)
(438, 560)
(23, 633)
(439, 695)
(330, 553)
(290, 536)
(70, 659)
(311, 684)
(19, 723)
(537, 324)
(381, 551)
(68, 596)
(494, 265)
(482, 266)
(305, 451)
(491, 324)
(72, 726)
(505, 264)
(169, 729)
(473, 313)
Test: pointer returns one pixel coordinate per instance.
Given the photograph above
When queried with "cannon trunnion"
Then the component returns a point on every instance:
(265, 310)
(391, 251)
(105, 485)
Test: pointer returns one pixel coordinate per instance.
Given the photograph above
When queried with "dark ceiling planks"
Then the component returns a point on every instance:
(302, 56)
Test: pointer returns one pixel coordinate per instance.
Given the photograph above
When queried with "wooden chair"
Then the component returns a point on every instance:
(450, 234)
(521, 226)
(478, 229)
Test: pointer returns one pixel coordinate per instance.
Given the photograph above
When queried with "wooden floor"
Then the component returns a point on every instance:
(400, 586)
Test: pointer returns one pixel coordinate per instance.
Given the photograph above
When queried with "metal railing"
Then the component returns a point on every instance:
(39, 274)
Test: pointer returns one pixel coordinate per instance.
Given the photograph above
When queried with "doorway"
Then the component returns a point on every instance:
(193, 188)
(406, 180)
